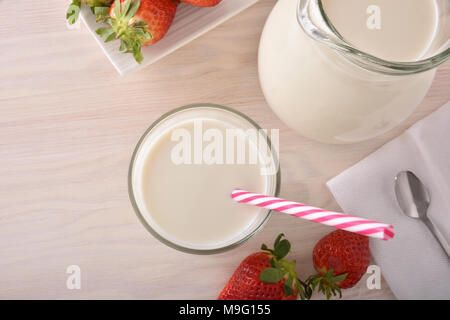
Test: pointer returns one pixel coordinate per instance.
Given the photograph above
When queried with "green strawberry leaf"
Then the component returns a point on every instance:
(340, 278)
(288, 286)
(125, 7)
(282, 248)
(139, 24)
(105, 32)
(101, 13)
(272, 263)
(137, 52)
(73, 11)
(305, 290)
(132, 9)
(315, 283)
(329, 274)
(97, 3)
(111, 37)
(288, 290)
(265, 248)
(271, 275)
(123, 45)
(117, 9)
(277, 240)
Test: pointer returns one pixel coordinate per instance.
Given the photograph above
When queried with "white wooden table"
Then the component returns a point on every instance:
(68, 126)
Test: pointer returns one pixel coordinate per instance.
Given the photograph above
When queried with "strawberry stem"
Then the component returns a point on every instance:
(132, 34)
(327, 284)
(284, 269)
(73, 11)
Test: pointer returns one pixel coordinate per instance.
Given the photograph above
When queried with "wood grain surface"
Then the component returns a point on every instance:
(68, 126)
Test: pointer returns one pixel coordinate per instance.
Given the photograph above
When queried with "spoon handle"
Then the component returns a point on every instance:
(438, 235)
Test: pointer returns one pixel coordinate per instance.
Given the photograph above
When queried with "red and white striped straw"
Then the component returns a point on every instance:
(334, 219)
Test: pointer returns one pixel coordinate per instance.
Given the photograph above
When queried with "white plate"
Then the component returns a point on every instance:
(189, 23)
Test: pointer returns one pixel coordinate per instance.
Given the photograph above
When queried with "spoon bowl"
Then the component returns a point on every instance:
(414, 200)
(412, 195)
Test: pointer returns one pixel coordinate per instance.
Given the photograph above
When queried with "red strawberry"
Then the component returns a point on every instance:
(138, 23)
(202, 3)
(265, 276)
(341, 258)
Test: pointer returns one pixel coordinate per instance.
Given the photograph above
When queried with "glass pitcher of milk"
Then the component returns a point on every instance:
(349, 70)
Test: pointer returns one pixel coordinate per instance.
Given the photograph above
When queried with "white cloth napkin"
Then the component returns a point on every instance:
(413, 263)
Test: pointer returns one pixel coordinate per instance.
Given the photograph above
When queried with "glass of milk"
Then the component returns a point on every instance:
(184, 169)
(349, 70)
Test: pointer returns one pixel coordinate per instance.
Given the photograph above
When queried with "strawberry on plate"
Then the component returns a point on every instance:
(202, 3)
(73, 11)
(138, 23)
(341, 258)
(265, 275)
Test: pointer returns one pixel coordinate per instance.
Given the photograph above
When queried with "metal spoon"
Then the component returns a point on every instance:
(414, 199)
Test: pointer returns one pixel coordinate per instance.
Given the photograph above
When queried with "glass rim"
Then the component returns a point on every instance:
(157, 235)
(362, 58)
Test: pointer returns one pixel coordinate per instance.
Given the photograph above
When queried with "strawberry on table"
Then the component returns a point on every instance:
(265, 275)
(341, 258)
(138, 23)
(202, 3)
